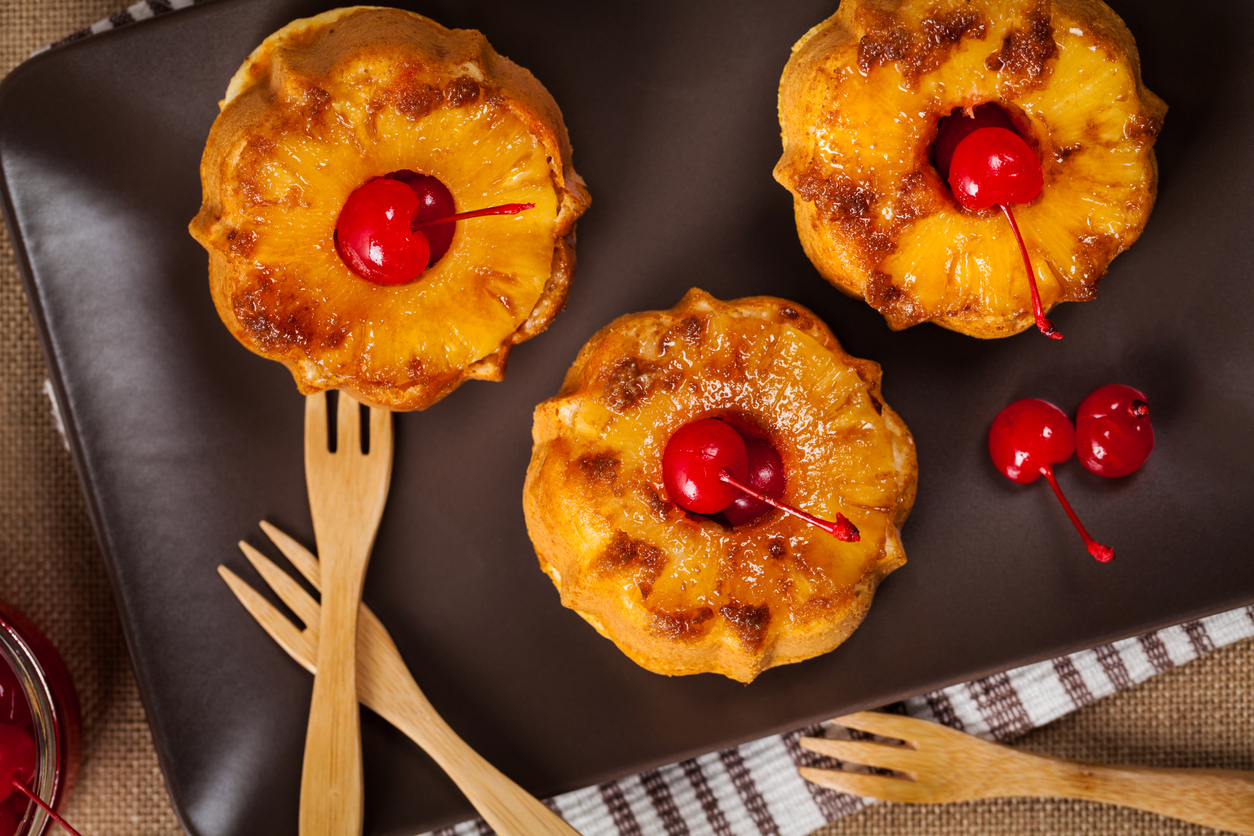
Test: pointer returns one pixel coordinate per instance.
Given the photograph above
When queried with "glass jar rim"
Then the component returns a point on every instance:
(17, 653)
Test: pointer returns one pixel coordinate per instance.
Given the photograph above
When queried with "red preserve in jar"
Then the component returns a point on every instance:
(37, 697)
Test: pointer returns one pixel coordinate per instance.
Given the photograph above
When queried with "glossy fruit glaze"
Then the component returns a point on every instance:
(1114, 436)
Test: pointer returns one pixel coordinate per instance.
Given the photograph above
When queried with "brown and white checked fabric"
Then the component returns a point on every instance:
(131, 14)
(754, 789)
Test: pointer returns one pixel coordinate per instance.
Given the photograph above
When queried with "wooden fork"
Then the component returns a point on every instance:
(385, 685)
(945, 765)
(347, 491)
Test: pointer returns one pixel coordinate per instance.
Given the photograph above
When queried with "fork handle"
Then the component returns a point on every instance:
(331, 797)
(1218, 798)
(507, 807)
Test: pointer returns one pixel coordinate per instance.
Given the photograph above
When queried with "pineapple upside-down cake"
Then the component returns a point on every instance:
(860, 102)
(684, 593)
(330, 103)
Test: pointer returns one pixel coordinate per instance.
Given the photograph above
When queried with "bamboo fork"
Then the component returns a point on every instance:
(385, 685)
(946, 765)
(347, 491)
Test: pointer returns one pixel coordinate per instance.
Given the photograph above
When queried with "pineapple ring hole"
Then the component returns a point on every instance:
(998, 114)
(435, 201)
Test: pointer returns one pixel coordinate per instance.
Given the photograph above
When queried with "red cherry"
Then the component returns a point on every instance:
(18, 759)
(17, 805)
(961, 123)
(434, 201)
(705, 467)
(13, 707)
(766, 475)
(695, 456)
(39, 802)
(373, 233)
(995, 167)
(392, 228)
(8, 821)
(1028, 435)
(1113, 432)
(1026, 440)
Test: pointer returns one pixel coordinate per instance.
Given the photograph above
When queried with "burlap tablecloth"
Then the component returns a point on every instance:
(1199, 715)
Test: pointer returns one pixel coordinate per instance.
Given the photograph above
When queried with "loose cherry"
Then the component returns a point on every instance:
(994, 167)
(706, 465)
(1113, 432)
(766, 475)
(392, 228)
(1026, 440)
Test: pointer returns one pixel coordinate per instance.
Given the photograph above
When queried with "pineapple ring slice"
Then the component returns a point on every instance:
(859, 103)
(327, 103)
(681, 594)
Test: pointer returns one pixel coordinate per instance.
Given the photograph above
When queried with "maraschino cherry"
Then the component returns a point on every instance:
(434, 201)
(992, 166)
(1113, 432)
(706, 467)
(1026, 440)
(766, 475)
(8, 821)
(392, 228)
(19, 759)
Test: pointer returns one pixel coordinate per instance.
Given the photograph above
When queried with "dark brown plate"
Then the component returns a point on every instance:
(184, 440)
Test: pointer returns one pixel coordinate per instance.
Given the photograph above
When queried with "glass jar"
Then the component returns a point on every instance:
(55, 722)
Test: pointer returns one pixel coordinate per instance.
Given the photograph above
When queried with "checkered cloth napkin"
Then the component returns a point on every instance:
(754, 789)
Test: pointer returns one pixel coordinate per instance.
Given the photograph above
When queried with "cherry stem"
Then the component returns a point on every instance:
(1103, 554)
(18, 785)
(1046, 327)
(505, 209)
(1138, 409)
(842, 529)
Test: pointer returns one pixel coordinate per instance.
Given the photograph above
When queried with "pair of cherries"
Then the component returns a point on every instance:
(987, 163)
(1112, 437)
(19, 757)
(709, 467)
(393, 228)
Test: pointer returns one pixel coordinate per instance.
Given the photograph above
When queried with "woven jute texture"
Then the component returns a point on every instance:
(50, 568)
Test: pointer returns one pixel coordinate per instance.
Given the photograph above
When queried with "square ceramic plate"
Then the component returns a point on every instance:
(184, 440)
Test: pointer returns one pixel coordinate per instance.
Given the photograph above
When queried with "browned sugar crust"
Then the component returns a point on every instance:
(681, 594)
(859, 104)
(273, 155)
